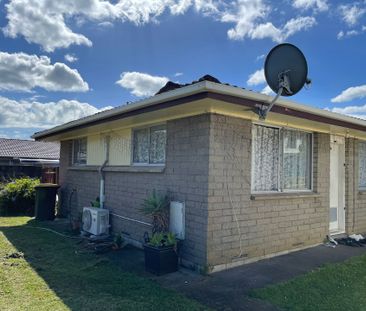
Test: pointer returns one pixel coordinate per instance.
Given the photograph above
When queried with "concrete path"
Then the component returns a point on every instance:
(228, 290)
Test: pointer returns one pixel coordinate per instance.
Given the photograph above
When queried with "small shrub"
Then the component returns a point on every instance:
(157, 206)
(18, 197)
(163, 239)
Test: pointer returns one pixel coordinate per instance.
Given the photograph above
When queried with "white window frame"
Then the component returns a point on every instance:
(149, 133)
(73, 152)
(281, 190)
(358, 164)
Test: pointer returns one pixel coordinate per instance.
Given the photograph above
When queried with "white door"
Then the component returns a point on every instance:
(337, 185)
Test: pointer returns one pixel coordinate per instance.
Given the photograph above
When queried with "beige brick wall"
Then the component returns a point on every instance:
(185, 177)
(209, 167)
(242, 226)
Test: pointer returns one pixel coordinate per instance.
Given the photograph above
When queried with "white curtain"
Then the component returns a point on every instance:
(265, 158)
(281, 159)
(149, 145)
(296, 160)
(157, 144)
(362, 165)
(141, 146)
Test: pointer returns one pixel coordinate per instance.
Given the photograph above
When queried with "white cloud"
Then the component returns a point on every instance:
(33, 114)
(343, 34)
(346, 34)
(141, 84)
(106, 24)
(351, 13)
(297, 24)
(70, 58)
(23, 72)
(267, 91)
(178, 74)
(248, 17)
(44, 22)
(317, 5)
(47, 23)
(259, 57)
(256, 78)
(353, 111)
(351, 93)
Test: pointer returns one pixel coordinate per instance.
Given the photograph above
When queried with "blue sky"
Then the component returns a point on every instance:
(61, 60)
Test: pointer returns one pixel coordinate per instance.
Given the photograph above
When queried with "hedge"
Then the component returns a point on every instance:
(18, 197)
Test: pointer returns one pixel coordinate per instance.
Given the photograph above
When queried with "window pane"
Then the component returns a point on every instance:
(265, 158)
(157, 144)
(362, 165)
(141, 146)
(296, 160)
(80, 151)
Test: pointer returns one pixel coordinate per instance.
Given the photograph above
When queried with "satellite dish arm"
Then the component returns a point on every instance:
(284, 86)
(264, 111)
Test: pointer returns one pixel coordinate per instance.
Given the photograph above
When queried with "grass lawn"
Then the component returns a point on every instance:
(54, 276)
(332, 287)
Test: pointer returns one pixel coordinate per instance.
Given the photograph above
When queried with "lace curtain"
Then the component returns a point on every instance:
(362, 165)
(296, 160)
(149, 145)
(265, 158)
(281, 159)
(157, 144)
(141, 146)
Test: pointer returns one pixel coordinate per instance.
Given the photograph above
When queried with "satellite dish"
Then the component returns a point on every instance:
(286, 72)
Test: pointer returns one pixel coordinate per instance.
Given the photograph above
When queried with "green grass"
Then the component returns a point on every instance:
(53, 275)
(332, 287)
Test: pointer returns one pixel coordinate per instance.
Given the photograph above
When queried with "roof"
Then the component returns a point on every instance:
(17, 148)
(173, 94)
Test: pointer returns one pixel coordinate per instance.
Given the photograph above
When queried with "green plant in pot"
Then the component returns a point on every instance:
(161, 249)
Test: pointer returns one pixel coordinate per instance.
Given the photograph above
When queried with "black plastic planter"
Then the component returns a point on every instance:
(160, 260)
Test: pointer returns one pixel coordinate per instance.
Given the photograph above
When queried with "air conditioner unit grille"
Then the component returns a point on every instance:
(87, 219)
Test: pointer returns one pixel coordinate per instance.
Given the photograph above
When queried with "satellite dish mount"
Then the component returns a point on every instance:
(286, 71)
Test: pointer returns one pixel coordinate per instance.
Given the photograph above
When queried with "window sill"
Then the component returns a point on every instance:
(126, 169)
(136, 169)
(83, 168)
(286, 195)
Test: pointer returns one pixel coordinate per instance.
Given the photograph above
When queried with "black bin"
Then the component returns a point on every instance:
(45, 201)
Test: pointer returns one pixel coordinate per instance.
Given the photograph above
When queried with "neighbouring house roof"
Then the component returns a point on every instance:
(29, 149)
(207, 87)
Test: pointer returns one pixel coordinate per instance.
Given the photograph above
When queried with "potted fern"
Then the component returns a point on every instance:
(161, 249)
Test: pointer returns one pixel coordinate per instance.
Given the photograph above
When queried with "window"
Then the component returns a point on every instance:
(281, 159)
(149, 145)
(362, 165)
(79, 151)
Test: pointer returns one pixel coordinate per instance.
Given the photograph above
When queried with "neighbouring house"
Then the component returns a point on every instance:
(20, 158)
(251, 188)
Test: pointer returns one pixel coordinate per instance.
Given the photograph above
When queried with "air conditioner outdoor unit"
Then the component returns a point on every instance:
(95, 220)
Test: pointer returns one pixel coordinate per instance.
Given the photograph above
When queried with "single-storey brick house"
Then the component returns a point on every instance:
(251, 188)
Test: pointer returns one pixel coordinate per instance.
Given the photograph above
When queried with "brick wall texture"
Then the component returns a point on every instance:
(208, 166)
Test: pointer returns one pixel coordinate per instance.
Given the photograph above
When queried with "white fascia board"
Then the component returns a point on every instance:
(194, 89)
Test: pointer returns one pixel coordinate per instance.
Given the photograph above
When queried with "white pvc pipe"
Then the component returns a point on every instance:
(101, 192)
(101, 186)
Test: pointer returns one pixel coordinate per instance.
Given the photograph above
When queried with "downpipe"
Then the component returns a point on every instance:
(101, 173)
